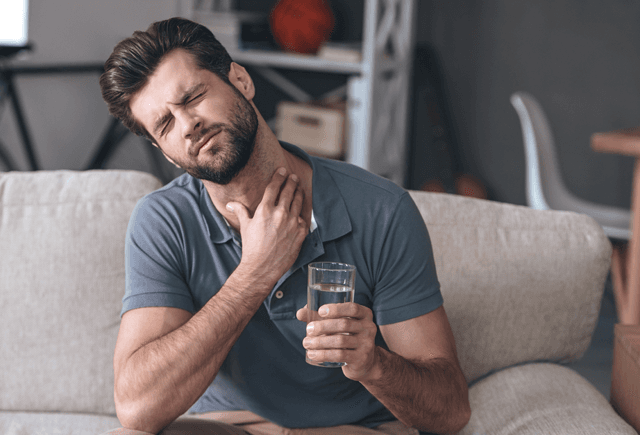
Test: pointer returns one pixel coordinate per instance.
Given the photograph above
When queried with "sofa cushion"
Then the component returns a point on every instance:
(535, 399)
(27, 423)
(62, 279)
(518, 284)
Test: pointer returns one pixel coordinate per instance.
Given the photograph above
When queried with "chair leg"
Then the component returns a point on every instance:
(619, 258)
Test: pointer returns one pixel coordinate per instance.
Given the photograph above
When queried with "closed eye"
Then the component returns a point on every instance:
(196, 98)
(166, 126)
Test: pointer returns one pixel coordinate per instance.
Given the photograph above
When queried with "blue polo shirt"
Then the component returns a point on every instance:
(180, 251)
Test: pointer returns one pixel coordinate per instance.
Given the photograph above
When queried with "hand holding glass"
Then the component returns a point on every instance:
(329, 283)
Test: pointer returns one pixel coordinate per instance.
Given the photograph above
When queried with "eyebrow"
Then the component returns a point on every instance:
(188, 94)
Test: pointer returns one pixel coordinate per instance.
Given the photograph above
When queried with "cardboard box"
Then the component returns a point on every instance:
(625, 375)
(317, 130)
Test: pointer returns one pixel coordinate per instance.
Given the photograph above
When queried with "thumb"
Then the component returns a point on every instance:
(239, 210)
(303, 314)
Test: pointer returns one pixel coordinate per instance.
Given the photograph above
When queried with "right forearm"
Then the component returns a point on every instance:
(163, 378)
(165, 361)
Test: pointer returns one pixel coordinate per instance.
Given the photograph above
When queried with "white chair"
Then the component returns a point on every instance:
(545, 187)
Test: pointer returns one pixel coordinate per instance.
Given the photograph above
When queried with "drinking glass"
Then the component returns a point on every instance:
(329, 283)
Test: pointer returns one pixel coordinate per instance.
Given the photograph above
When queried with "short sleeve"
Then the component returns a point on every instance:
(154, 262)
(406, 281)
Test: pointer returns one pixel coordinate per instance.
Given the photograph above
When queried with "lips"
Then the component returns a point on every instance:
(206, 142)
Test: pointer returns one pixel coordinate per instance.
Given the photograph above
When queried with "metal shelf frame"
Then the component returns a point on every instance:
(377, 88)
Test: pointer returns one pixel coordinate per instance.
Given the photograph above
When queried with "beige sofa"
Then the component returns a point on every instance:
(522, 289)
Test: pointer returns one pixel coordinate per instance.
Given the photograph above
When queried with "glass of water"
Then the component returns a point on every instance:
(329, 283)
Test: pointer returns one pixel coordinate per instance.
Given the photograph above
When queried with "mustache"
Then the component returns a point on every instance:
(206, 131)
(197, 139)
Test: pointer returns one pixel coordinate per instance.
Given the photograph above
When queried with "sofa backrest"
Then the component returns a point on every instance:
(61, 284)
(518, 284)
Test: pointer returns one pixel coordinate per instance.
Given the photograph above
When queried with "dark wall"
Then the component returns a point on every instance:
(580, 58)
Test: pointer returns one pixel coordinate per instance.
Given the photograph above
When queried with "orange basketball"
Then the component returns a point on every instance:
(301, 25)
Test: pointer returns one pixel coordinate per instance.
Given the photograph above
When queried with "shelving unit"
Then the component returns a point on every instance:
(377, 87)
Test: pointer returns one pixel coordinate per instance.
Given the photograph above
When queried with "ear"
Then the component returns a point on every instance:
(240, 78)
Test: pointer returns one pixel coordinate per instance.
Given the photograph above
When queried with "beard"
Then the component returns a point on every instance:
(232, 155)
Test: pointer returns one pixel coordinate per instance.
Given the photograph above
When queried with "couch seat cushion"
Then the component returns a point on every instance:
(540, 398)
(37, 423)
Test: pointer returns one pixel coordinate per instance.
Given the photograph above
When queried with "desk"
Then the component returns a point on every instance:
(625, 376)
(625, 268)
(113, 135)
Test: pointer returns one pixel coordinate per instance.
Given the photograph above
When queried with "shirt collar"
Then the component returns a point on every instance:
(329, 213)
(236, 237)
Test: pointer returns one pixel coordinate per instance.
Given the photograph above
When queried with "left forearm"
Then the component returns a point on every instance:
(422, 384)
(429, 395)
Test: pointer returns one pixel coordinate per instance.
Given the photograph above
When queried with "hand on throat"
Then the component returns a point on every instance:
(248, 187)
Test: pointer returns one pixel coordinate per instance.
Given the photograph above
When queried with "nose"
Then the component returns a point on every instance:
(190, 123)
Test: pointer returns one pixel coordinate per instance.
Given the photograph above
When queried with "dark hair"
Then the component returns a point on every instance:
(134, 59)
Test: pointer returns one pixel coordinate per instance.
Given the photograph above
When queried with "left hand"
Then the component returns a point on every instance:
(345, 333)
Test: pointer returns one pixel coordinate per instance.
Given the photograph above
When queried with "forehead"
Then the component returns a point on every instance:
(176, 73)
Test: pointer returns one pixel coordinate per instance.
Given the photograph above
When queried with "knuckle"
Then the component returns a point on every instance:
(369, 345)
(278, 214)
(276, 182)
(343, 324)
(372, 328)
(342, 340)
(317, 329)
(292, 221)
(311, 343)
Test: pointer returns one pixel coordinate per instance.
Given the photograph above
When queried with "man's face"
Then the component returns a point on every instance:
(202, 124)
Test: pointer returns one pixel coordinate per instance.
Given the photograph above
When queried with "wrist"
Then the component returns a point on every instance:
(376, 373)
(246, 281)
(262, 276)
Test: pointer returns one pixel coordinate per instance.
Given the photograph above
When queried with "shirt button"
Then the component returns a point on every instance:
(279, 294)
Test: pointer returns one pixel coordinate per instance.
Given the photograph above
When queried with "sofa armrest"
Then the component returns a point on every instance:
(123, 431)
(518, 284)
(541, 398)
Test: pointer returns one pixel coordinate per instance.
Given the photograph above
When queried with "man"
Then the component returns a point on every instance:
(214, 311)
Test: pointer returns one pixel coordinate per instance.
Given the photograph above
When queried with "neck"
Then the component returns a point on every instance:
(249, 185)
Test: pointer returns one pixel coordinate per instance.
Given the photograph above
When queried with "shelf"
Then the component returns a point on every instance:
(294, 61)
(377, 86)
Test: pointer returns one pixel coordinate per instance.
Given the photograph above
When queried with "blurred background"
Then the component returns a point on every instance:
(579, 58)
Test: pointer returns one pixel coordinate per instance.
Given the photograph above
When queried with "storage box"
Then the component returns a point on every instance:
(625, 375)
(317, 130)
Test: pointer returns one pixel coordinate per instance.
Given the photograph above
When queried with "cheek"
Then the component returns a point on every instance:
(170, 150)
(218, 109)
